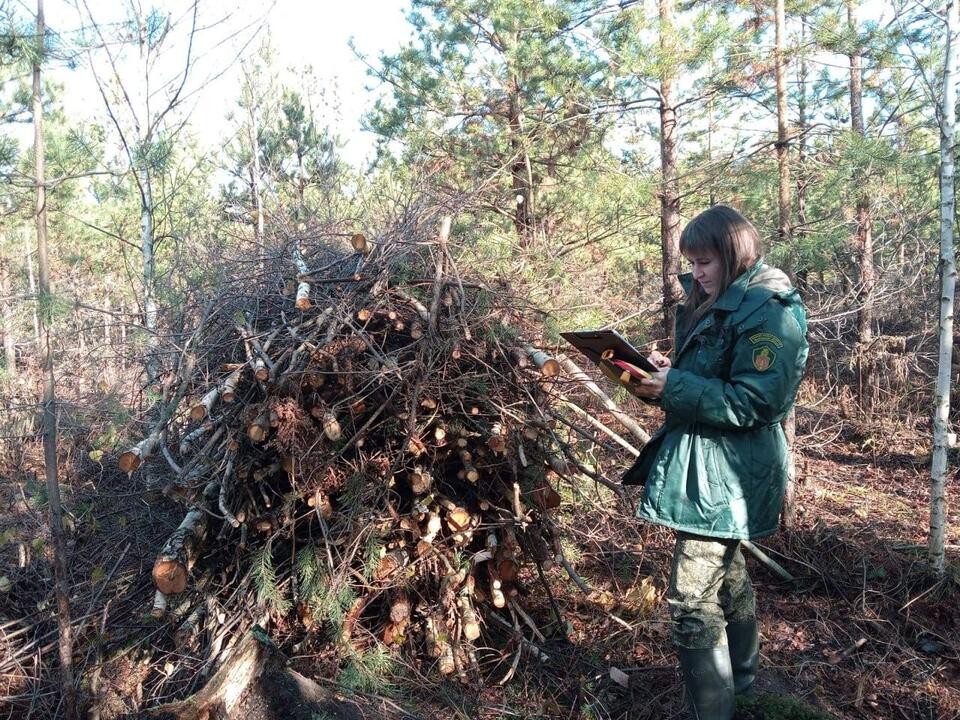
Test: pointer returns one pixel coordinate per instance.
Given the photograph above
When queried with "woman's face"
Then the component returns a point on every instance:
(706, 270)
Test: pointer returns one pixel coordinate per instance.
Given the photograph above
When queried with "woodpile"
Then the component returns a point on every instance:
(367, 447)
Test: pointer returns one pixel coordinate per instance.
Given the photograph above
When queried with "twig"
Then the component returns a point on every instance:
(772, 564)
(628, 422)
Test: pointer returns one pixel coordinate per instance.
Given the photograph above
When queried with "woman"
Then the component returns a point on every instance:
(717, 469)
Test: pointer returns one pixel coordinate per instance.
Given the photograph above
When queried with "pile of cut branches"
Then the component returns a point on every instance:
(366, 444)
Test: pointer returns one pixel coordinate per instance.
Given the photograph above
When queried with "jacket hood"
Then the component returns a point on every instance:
(770, 278)
(760, 275)
(755, 286)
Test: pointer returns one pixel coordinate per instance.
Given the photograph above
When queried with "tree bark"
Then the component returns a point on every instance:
(801, 271)
(253, 135)
(149, 275)
(54, 510)
(9, 332)
(863, 235)
(669, 187)
(784, 231)
(225, 690)
(32, 280)
(133, 458)
(519, 181)
(948, 279)
(172, 567)
(783, 136)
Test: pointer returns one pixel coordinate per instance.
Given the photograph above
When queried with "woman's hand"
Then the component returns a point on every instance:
(652, 387)
(659, 359)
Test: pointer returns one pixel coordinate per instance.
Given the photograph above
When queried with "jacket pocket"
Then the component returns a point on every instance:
(711, 471)
(711, 354)
(755, 459)
(738, 468)
(640, 470)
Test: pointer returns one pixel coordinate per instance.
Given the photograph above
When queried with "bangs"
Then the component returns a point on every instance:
(725, 233)
(694, 241)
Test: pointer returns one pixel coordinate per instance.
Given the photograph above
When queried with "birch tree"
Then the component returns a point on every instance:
(948, 279)
(145, 70)
(140, 124)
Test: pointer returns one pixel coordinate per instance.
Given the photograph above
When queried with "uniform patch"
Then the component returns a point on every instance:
(764, 358)
(766, 337)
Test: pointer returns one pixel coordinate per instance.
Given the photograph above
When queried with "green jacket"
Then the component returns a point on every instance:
(718, 466)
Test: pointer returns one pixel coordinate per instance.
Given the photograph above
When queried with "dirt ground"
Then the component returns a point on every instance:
(864, 632)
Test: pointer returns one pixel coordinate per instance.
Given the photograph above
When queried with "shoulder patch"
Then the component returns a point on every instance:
(765, 337)
(764, 358)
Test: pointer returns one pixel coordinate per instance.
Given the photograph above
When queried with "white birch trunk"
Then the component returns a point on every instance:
(255, 180)
(149, 275)
(303, 287)
(948, 279)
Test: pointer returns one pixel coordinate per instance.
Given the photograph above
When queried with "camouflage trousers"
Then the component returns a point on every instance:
(709, 586)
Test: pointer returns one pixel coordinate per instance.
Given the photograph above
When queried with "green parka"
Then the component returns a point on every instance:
(718, 466)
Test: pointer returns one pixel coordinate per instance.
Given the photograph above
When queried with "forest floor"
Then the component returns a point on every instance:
(863, 632)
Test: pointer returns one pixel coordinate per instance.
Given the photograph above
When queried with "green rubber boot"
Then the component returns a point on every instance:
(708, 677)
(744, 645)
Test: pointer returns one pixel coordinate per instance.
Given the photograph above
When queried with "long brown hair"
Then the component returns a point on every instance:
(721, 231)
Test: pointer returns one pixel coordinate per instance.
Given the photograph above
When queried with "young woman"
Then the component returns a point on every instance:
(716, 471)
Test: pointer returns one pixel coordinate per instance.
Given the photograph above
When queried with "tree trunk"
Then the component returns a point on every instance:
(224, 692)
(32, 280)
(801, 269)
(948, 279)
(107, 320)
(9, 334)
(253, 135)
(783, 137)
(863, 236)
(789, 515)
(519, 165)
(669, 189)
(81, 337)
(61, 587)
(149, 275)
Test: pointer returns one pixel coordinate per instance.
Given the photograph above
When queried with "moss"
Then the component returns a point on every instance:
(776, 707)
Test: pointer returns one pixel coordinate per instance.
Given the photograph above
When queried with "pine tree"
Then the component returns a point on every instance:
(497, 100)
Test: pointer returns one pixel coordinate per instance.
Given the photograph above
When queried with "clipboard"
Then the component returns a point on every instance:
(608, 347)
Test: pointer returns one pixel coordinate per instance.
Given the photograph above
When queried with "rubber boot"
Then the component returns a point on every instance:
(708, 678)
(744, 645)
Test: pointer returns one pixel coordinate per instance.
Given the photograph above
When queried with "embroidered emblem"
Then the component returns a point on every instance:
(766, 337)
(763, 358)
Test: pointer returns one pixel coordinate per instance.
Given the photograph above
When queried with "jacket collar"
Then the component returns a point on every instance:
(733, 295)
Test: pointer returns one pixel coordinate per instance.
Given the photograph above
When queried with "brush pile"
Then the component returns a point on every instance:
(366, 445)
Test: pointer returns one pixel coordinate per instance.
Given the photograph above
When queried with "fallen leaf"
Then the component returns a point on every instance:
(619, 677)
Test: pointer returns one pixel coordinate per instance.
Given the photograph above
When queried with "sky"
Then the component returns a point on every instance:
(313, 33)
(302, 33)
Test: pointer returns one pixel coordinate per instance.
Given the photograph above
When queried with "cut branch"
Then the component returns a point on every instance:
(172, 567)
